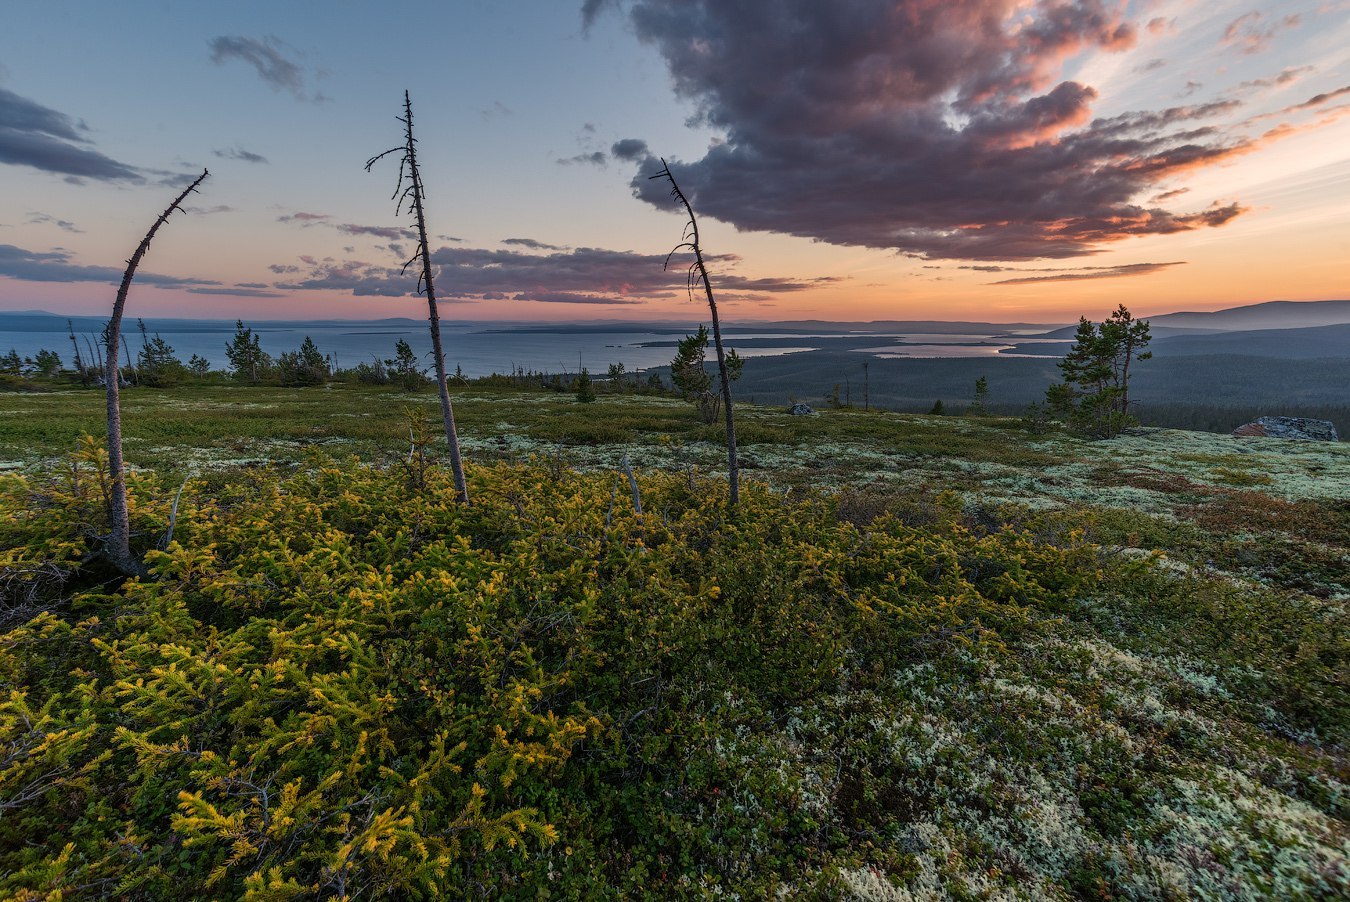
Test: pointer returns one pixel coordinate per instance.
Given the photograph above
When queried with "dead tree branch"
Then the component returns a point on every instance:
(117, 548)
(698, 272)
(409, 191)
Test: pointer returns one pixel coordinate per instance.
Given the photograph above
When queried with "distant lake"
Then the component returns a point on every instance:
(480, 349)
(477, 350)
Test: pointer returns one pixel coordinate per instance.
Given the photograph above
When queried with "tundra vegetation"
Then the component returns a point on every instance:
(927, 656)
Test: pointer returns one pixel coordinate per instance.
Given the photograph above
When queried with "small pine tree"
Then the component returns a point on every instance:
(157, 366)
(307, 366)
(11, 364)
(199, 366)
(403, 367)
(938, 409)
(43, 363)
(978, 407)
(1094, 396)
(692, 379)
(585, 387)
(247, 360)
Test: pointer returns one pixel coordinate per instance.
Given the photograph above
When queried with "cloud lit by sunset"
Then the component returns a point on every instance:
(881, 159)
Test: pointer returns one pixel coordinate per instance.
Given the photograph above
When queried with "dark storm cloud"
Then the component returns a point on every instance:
(583, 275)
(42, 138)
(267, 59)
(55, 266)
(938, 128)
(238, 153)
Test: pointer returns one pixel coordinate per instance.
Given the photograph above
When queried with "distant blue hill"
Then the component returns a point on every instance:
(1286, 344)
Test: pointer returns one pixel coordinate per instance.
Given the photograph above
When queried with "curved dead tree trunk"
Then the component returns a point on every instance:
(412, 193)
(117, 548)
(699, 272)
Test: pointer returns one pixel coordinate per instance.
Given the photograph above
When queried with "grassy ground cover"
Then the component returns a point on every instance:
(931, 657)
(1263, 509)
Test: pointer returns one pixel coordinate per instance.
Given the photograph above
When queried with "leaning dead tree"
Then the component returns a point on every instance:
(409, 191)
(697, 273)
(117, 548)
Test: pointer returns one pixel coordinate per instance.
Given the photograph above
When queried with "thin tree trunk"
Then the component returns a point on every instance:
(118, 546)
(733, 461)
(93, 358)
(447, 411)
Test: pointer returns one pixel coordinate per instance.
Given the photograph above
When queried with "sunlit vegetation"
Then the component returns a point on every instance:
(929, 655)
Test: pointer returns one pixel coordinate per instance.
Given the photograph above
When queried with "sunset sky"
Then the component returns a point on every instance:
(850, 160)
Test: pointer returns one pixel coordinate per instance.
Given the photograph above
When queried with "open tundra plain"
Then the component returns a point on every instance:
(928, 656)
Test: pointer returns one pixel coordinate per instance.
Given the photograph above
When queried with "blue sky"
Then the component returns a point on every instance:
(868, 159)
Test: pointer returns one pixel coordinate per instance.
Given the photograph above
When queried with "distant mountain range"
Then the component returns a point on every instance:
(1272, 315)
(1287, 344)
(1290, 330)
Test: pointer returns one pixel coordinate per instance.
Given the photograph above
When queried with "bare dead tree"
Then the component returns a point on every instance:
(409, 190)
(117, 548)
(697, 273)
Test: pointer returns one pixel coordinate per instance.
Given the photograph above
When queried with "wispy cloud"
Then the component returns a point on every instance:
(594, 158)
(42, 138)
(1253, 32)
(532, 244)
(496, 110)
(238, 153)
(389, 233)
(268, 59)
(305, 219)
(1094, 272)
(239, 292)
(64, 225)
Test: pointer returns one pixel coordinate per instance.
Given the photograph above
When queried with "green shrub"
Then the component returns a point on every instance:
(339, 683)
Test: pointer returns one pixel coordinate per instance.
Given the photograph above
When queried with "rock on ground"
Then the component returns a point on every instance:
(1290, 427)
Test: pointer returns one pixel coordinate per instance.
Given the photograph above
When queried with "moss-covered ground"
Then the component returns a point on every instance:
(928, 658)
